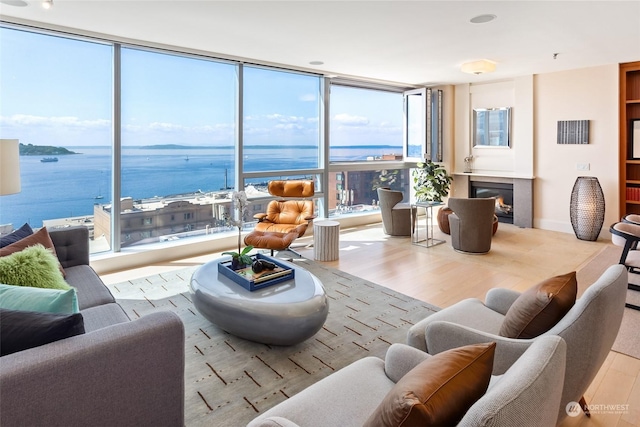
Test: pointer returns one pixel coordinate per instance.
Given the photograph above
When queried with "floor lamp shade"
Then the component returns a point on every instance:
(587, 208)
(9, 166)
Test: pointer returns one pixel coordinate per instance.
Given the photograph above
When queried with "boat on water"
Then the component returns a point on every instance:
(49, 159)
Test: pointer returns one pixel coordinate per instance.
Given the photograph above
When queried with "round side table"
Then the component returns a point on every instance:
(326, 240)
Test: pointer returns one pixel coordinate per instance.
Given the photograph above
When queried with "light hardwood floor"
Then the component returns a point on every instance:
(519, 258)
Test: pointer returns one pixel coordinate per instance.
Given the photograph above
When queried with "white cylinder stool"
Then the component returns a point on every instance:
(326, 236)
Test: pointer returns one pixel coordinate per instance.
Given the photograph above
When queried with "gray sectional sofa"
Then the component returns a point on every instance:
(121, 372)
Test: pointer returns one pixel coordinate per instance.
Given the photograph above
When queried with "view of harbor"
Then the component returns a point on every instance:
(71, 185)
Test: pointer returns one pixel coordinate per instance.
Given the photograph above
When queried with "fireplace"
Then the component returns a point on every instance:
(502, 192)
(521, 193)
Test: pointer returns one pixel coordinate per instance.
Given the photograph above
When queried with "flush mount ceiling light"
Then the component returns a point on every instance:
(479, 67)
(47, 4)
(482, 19)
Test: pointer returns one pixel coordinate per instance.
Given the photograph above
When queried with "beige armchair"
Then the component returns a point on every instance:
(396, 216)
(589, 328)
(527, 394)
(471, 224)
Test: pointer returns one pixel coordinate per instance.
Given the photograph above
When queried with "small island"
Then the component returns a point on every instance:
(43, 150)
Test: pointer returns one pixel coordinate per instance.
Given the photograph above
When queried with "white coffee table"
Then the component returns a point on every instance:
(286, 313)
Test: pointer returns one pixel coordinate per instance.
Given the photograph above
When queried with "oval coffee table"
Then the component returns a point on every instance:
(286, 313)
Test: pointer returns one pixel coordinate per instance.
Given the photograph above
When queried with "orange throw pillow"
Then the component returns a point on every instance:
(540, 307)
(39, 237)
(439, 391)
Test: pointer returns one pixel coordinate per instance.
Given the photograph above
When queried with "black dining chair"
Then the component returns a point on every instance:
(627, 235)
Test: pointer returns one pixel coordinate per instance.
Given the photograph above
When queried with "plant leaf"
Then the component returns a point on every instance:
(245, 259)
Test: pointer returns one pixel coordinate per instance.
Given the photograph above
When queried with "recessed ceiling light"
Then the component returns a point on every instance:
(481, 19)
(47, 4)
(316, 63)
(19, 3)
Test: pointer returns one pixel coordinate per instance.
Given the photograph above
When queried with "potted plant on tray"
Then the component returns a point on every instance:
(239, 204)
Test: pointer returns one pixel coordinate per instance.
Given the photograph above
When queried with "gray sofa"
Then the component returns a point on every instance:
(527, 394)
(121, 372)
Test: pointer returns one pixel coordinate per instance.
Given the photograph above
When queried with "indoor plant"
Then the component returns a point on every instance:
(239, 205)
(431, 181)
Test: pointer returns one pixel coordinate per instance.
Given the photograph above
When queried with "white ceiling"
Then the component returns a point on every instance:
(405, 42)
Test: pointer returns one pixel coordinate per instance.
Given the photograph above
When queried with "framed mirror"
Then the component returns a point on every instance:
(491, 127)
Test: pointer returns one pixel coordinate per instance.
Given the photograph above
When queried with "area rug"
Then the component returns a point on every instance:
(229, 380)
(628, 339)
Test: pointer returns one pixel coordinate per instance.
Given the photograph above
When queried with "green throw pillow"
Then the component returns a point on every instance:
(33, 266)
(27, 298)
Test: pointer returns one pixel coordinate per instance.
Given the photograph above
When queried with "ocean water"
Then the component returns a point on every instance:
(72, 185)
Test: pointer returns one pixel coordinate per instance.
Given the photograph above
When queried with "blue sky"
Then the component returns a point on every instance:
(56, 91)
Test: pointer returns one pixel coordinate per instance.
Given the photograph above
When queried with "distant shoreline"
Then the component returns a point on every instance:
(44, 150)
(225, 147)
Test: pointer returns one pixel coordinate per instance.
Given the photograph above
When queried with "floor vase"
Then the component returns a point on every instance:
(587, 208)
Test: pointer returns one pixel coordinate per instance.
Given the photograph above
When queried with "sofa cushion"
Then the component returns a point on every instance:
(540, 307)
(27, 298)
(20, 330)
(20, 233)
(438, 391)
(102, 316)
(33, 266)
(39, 237)
(91, 289)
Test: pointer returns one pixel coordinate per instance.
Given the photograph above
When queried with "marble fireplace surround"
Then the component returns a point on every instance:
(522, 192)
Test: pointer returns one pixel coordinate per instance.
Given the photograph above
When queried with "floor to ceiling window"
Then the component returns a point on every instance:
(366, 129)
(56, 92)
(178, 139)
(281, 128)
(174, 138)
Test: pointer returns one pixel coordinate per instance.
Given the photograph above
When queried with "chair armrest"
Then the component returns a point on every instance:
(125, 374)
(400, 359)
(442, 336)
(260, 216)
(72, 245)
(500, 299)
(311, 217)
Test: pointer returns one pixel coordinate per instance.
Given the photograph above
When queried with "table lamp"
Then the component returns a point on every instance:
(9, 167)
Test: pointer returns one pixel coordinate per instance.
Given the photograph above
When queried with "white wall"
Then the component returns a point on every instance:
(514, 160)
(539, 102)
(584, 94)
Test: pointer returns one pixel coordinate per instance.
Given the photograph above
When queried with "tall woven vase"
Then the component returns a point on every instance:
(587, 208)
